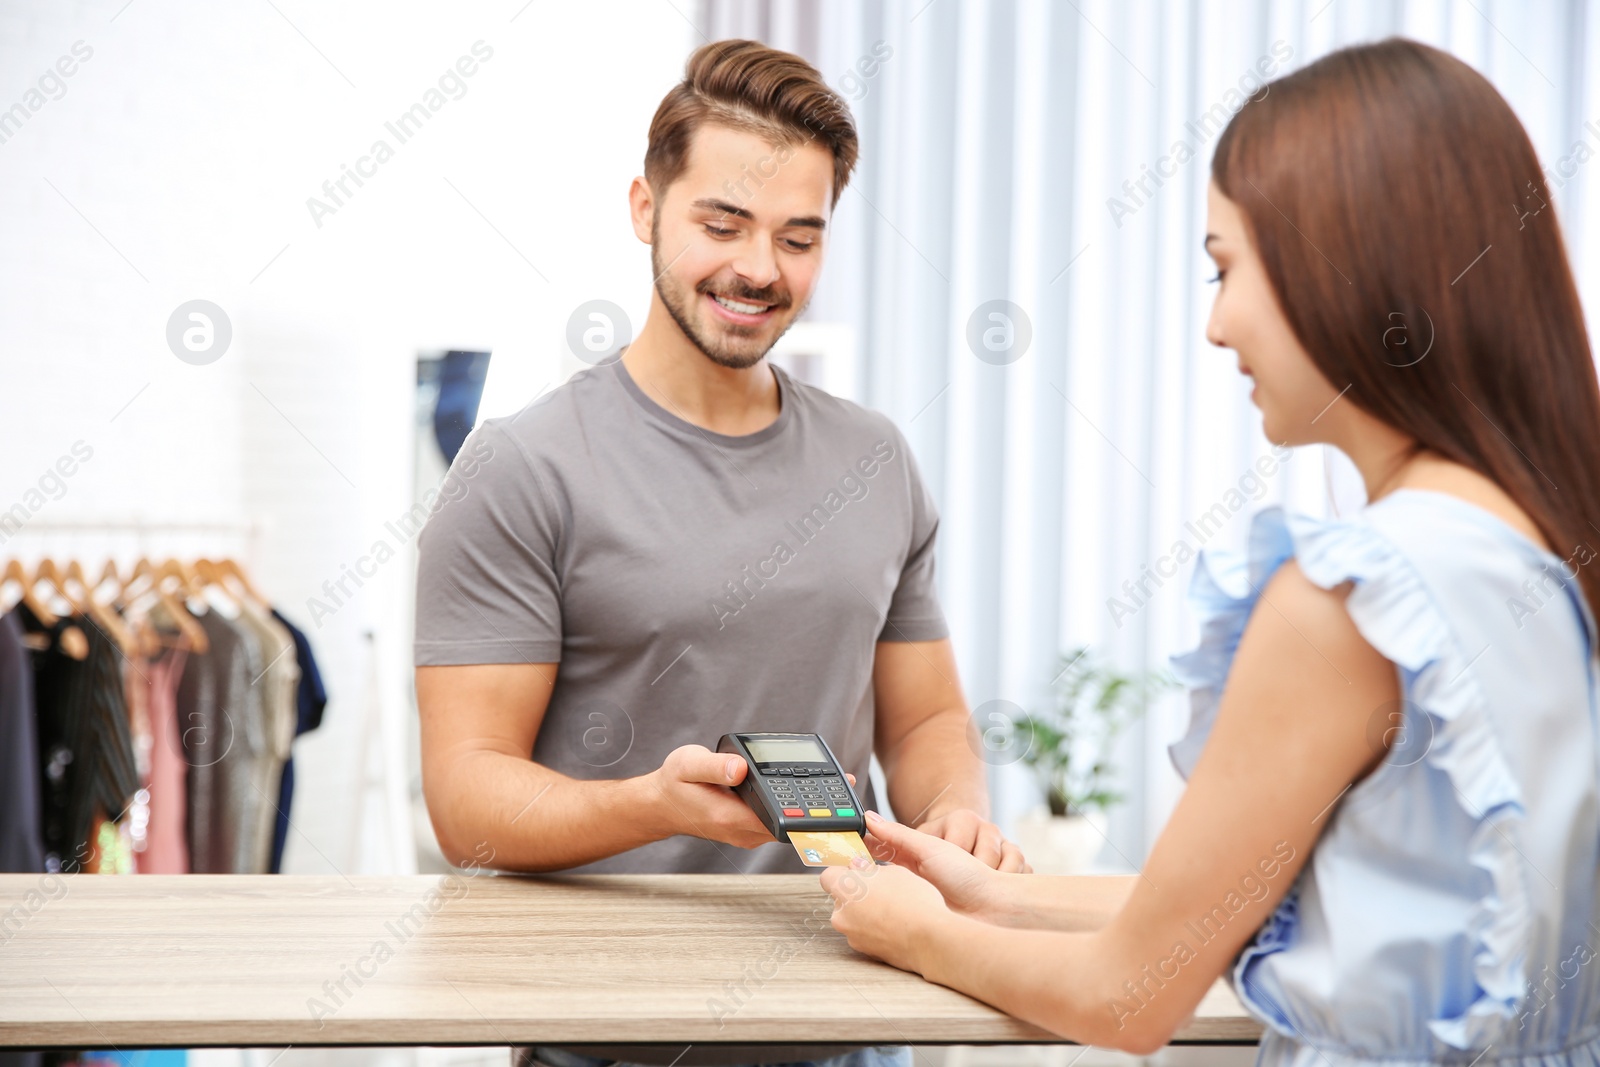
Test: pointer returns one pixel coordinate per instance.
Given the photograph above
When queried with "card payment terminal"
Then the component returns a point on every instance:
(795, 783)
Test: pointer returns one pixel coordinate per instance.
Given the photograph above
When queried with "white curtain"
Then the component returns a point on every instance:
(1004, 144)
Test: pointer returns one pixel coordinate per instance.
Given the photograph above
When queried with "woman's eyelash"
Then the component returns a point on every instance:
(1217, 277)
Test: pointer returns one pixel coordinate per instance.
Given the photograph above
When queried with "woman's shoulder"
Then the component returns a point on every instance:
(1379, 571)
(1442, 490)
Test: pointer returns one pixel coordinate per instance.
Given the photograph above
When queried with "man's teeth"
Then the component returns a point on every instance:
(741, 308)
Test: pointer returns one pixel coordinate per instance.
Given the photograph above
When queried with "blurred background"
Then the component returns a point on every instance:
(1015, 276)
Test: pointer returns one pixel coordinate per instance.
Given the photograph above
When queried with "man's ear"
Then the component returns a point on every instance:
(642, 206)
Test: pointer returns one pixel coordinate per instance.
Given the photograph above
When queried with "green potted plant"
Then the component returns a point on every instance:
(1068, 750)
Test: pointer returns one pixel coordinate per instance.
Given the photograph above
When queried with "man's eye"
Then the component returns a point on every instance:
(799, 246)
(718, 231)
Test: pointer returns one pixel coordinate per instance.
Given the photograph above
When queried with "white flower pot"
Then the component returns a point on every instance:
(1055, 844)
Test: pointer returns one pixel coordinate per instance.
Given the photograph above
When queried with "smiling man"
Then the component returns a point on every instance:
(687, 542)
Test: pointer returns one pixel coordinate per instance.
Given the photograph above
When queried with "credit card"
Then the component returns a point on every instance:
(828, 849)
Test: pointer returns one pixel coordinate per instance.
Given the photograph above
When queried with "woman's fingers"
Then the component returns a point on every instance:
(839, 882)
(896, 841)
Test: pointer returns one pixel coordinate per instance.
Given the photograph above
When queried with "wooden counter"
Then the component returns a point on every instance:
(144, 961)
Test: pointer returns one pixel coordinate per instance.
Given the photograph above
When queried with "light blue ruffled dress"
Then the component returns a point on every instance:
(1450, 912)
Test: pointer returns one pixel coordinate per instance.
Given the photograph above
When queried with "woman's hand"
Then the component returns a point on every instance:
(967, 884)
(885, 912)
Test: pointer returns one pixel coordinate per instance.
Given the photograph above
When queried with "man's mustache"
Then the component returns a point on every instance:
(774, 297)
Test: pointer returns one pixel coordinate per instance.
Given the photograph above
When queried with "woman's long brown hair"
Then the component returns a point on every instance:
(1408, 233)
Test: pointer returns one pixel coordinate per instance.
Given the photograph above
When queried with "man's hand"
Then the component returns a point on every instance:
(974, 834)
(696, 787)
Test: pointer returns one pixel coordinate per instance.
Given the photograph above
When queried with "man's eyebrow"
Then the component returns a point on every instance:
(814, 222)
(723, 207)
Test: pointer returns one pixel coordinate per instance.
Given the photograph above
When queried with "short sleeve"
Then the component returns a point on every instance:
(488, 588)
(914, 611)
(1223, 594)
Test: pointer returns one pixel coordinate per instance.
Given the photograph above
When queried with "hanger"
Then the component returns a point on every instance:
(70, 639)
(101, 614)
(211, 574)
(142, 568)
(47, 571)
(177, 609)
(206, 576)
(119, 603)
(142, 636)
(14, 572)
(231, 568)
(182, 617)
(185, 574)
(108, 573)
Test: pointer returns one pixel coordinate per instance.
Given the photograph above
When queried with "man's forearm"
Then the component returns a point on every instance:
(535, 819)
(933, 770)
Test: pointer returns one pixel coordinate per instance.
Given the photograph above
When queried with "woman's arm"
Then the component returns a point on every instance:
(1060, 902)
(971, 887)
(1291, 735)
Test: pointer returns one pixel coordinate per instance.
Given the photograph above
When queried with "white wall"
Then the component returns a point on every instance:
(177, 165)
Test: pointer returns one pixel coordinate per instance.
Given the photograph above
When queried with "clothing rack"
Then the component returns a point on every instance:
(146, 536)
(98, 669)
(139, 524)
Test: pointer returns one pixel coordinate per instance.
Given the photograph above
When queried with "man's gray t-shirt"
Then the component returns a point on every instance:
(689, 583)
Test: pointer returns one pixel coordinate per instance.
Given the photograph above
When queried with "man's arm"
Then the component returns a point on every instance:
(934, 774)
(479, 724)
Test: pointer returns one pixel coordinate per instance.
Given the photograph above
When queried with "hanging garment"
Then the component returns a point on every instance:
(135, 692)
(222, 726)
(277, 681)
(310, 700)
(166, 848)
(85, 749)
(21, 844)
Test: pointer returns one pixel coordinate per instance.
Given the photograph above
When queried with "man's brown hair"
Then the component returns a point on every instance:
(749, 87)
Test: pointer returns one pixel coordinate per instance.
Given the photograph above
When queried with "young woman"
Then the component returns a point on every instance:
(1390, 832)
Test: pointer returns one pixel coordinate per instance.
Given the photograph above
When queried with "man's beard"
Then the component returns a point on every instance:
(678, 307)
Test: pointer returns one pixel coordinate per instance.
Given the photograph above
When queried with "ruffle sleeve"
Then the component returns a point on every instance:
(1223, 593)
(1394, 611)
